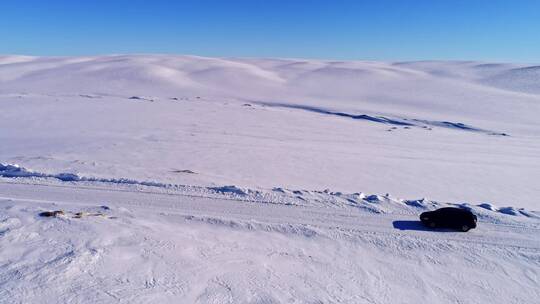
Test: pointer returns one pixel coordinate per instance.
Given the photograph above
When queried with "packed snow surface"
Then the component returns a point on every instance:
(125, 243)
(191, 179)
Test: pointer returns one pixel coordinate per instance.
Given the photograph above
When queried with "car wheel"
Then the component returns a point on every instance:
(465, 228)
(432, 224)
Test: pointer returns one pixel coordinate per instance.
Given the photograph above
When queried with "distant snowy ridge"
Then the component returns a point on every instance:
(173, 72)
(362, 85)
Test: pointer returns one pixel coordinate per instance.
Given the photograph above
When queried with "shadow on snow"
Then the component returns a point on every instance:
(416, 225)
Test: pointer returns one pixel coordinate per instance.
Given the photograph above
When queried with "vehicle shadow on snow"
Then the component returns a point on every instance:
(415, 225)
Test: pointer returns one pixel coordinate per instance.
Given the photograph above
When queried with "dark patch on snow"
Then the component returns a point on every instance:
(373, 198)
(509, 211)
(409, 225)
(142, 98)
(415, 203)
(279, 189)
(457, 126)
(51, 213)
(489, 65)
(403, 122)
(416, 225)
(9, 170)
(529, 213)
(183, 171)
(377, 119)
(229, 189)
(89, 96)
(488, 206)
(68, 177)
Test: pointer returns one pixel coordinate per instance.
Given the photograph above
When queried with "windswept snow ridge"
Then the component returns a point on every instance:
(10, 170)
(372, 204)
(385, 120)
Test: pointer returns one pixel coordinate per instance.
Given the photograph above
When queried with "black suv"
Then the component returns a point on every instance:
(449, 217)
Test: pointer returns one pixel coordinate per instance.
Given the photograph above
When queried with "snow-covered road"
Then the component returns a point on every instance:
(156, 246)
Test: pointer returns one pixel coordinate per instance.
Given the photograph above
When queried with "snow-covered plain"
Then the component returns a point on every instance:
(204, 180)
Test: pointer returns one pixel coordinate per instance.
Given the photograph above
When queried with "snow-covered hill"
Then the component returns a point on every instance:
(451, 131)
(187, 179)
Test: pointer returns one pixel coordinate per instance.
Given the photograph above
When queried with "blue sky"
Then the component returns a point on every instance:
(333, 29)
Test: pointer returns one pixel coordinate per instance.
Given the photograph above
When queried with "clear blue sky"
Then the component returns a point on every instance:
(387, 30)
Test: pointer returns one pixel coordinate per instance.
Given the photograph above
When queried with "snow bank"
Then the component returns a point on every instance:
(373, 204)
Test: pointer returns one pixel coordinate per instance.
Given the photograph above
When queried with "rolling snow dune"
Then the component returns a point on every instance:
(453, 90)
(525, 79)
(412, 129)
